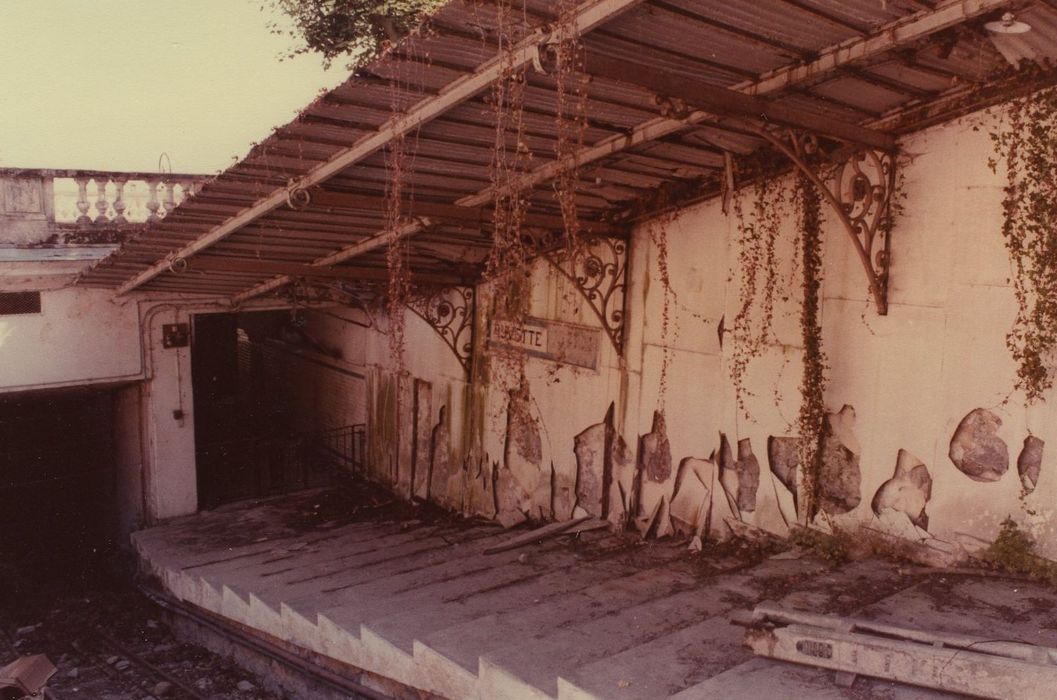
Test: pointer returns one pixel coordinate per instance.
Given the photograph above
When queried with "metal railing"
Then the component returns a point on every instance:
(255, 467)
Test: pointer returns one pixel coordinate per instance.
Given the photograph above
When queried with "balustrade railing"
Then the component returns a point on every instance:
(82, 207)
(102, 198)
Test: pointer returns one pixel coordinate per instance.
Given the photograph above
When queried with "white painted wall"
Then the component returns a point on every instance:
(911, 375)
(84, 336)
(171, 481)
(81, 336)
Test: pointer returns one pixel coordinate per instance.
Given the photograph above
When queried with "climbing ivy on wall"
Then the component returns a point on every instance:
(396, 256)
(1028, 146)
(759, 283)
(811, 420)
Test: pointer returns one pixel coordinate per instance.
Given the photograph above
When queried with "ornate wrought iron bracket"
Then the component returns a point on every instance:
(450, 312)
(599, 270)
(858, 188)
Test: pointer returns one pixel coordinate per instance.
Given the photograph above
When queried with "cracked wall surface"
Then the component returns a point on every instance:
(920, 422)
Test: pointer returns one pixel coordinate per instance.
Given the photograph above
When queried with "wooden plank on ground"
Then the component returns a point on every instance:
(537, 535)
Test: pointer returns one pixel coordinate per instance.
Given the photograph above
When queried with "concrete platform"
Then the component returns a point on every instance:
(598, 615)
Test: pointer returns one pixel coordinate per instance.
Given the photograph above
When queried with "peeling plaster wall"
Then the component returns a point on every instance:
(907, 380)
(911, 376)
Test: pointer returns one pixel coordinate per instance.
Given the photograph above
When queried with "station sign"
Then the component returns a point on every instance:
(567, 343)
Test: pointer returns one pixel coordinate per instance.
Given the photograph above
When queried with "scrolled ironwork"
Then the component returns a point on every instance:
(598, 268)
(863, 186)
(450, 312)
(858, 188)
(298, 198)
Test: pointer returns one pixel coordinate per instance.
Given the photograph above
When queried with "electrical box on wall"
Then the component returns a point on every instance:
(175, 335)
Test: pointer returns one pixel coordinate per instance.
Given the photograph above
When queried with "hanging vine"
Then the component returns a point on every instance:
(405, 87)
(657, 229)
(1028, 146)
(571, 118)
(760, 281)
(396, 254)
(506, 268)
(811, 420)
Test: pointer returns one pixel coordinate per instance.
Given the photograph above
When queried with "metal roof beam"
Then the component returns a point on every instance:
(587, 17)
(893, 35)
(730, 103)
(365, 246)
(451, 212)
(265, 268)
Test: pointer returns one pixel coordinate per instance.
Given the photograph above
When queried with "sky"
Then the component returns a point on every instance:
(114, 84)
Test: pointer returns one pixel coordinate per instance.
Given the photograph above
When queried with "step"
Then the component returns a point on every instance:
(662, 666)
(315, 567)
(765, 678)
(387, 633)
(264, 598)
(533, 665)
(248, 556)
(377, 603)
(464, 643)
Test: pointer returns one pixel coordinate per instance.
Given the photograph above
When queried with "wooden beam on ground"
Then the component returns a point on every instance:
(537, 535)
(729, 103)
(585, 18)
(266, 268)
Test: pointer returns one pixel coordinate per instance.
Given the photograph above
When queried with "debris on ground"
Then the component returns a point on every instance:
(109, 644)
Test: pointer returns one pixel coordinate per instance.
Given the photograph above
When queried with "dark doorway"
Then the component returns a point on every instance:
(254, 434)
(59, 486)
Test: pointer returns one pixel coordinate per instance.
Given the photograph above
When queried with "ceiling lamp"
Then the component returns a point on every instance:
(1008, 25)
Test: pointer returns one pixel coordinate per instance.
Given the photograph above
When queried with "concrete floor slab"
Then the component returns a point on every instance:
(601, 615)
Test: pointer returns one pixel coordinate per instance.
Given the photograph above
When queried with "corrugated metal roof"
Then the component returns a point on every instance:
(725, 44)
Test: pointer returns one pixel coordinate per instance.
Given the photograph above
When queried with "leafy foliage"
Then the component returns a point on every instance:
(811, 421)
(760, 287)
(1029, 147)
(1014, 551)
(832, 548)
(355, 29)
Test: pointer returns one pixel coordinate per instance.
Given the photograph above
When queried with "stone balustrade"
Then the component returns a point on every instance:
(84, 206)
(99, 198)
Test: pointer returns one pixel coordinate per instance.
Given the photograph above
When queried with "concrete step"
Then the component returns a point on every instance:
(313, 567)
(531, 666)
(463, 618)
(465, 643)
(376, 604)
(484, 586)
(303, 590)
(389, 624)
(660, 667)
(763, 678)
(324, 552)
